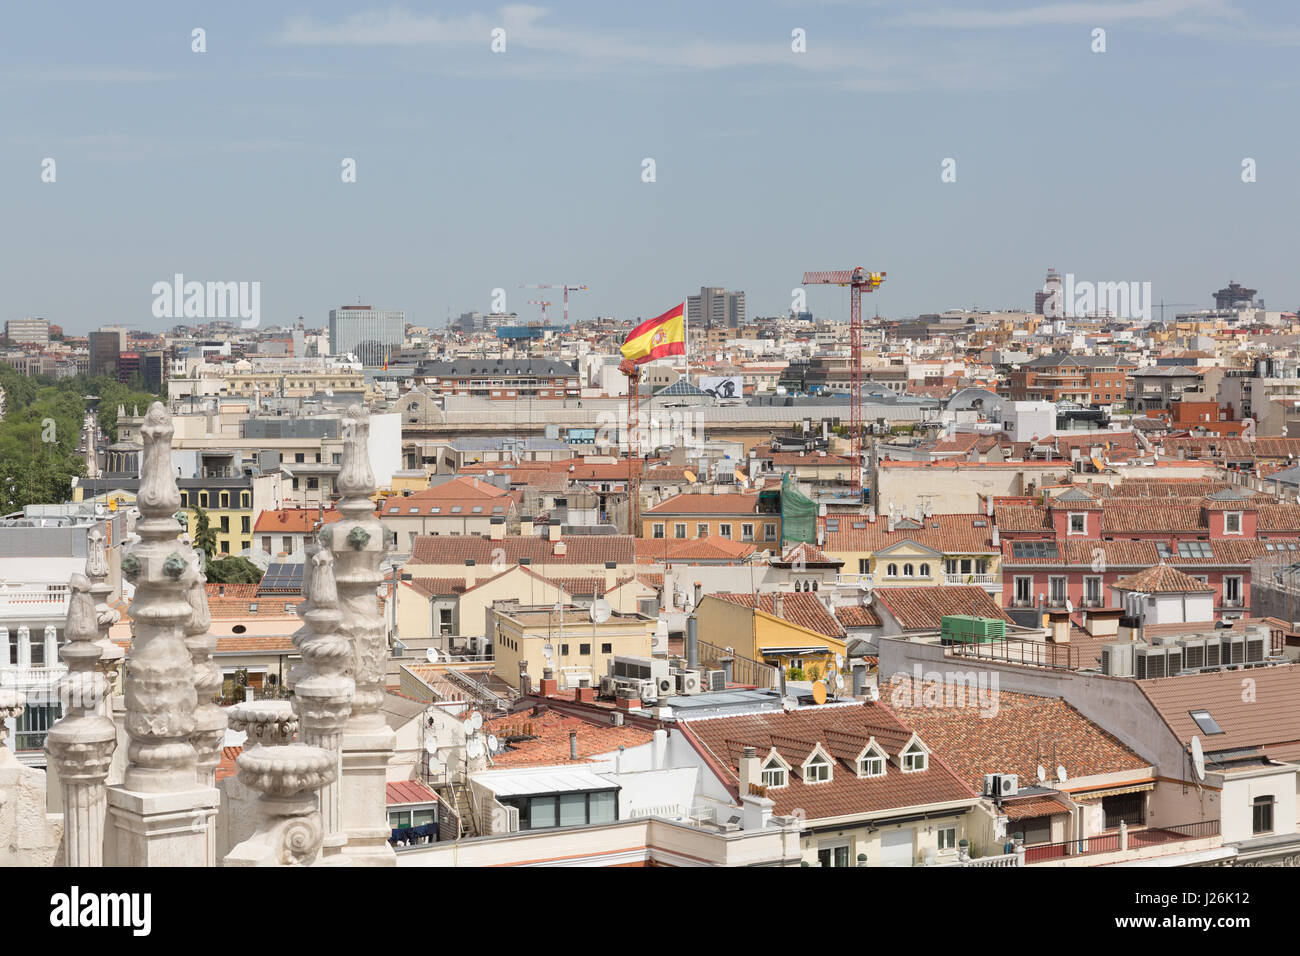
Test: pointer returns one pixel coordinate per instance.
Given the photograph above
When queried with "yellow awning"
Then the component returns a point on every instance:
(1113, 792)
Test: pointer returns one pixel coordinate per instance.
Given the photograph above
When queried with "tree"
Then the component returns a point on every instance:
(205, 537)
(233, 570)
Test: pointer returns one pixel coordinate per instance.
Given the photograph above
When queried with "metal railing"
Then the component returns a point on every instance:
(855, 580)
(1017, 651)
(983, 580)
(1135, 839)
(743, 670)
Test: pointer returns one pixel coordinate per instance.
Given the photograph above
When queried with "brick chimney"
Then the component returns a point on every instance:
(749, 770)
(526, 526)
(497, 529)
(549, 686)
(778, 604)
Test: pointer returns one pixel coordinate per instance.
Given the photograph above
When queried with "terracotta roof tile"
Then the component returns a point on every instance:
(802, 608)
(923, 608)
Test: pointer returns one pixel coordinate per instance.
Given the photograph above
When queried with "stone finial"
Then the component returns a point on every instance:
(81, 744)
(160, 695)
(209, 719)
(268, 723)
(290, 832)
(356, 478)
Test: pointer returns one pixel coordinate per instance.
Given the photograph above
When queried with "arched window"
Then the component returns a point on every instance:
(892, 571)
(815, 585)
(908, 570)
(925, 570)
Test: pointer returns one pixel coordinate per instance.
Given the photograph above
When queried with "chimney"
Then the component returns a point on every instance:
(891, 521)
(699, 593)
(610, 581)
(549, 685)
(749, 770)
(573, 745)
(668, 590)
(553, 530)
(497, 529)
(659, 749)
(778, 605)
(692, 643)
(525, 682)
(471, 574)
(859, 678)
(526, 526)
(997, 541)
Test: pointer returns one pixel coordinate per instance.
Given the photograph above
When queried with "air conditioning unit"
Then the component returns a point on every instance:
(1149, 662)
(688, 682)
(1117, 659)
(1173, 659)
(665, 687)
(1232, 649)
(1001, 785)
(646, 689)
(715, 680)
(1256, 646)
(607, 686)
(1194, 652)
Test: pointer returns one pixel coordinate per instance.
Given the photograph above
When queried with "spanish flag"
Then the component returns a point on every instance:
(657, 338)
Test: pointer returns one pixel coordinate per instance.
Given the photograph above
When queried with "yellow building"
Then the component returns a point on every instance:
(232, 506)
(786, 630)
(581, 649)
(746, 516)
(907, 552)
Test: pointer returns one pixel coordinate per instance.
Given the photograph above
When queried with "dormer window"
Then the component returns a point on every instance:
(1079, 523)
(914, 758)
(817, 769)
(774, 774)
(872, 764)
(1232, 522)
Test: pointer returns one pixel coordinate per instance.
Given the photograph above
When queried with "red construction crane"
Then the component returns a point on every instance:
(567, 289)
(859, 280)
(544, 304)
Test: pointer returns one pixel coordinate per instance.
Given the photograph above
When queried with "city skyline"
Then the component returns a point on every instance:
(480, 171)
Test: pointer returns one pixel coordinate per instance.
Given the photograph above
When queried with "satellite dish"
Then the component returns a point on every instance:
(839, 662)
(600, 611)
(432, 655)
(1042, 774)
(1069, 606)
(819, 692)
(473, 748)
(548, 651)
(1061, 775)
(493, 744)
(431, 746)
(866, 599)
(1198, 758)
(476, 721)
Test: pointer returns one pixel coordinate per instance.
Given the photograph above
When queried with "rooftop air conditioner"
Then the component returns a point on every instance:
(1117, 659)
(1194, 652)
(1149, 662)
(688, 682)
(1256, 647)
(716, 680)
(1233, 649)
(1001, 785)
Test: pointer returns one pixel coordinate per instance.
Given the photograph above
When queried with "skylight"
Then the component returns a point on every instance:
(1207, 724)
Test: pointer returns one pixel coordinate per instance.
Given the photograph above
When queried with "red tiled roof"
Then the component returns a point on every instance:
(843, 732)
(857, 615)
(578, 549)
(293, 520)
(1267, 717)
(1162, 579)
(923, 608)
(691, 503)
(976, 740)
(950, 534)
(551, 731)
(802, 608)
(711, 548)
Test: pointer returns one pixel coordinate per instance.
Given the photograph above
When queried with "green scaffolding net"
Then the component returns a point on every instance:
(798, 514)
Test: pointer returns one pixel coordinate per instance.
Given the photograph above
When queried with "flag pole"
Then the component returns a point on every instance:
(686, 335)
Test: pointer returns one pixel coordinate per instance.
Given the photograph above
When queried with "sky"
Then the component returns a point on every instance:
(478, 170)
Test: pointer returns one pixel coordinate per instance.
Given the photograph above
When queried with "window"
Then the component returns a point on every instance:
(185, 499)
(1078, 523)
(1262, 815)
(833, 855)
(203, 499)
(817, 769)
(702, 529)
(1232, 590)
(1207, 724)
(947, 838)
(444, 620)
(565, 810)
(1092, 592)
(1034, 549)
(607, 648)
(872, 765)
(658, 531)
(769, 532)
(564, 648)
(914, 759)
(925, 570)
(679, 530)
(1195, 549)
(864, 565)
(1232, 522)
(1034, 830)
(1056, 590)
(244, 523)
(892, 571)
(245, 500)
(724, 530)
(908, 570)
(313, 484)
(1130, 808)
(584, 650)
(773, 774)
(225, 499)
(747, 532)
(1024, 591)
(266, 543)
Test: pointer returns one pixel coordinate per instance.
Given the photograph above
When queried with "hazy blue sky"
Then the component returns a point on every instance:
(478, 170)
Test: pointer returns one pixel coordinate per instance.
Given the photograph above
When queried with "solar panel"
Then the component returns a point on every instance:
(282, 577)
(1034, 549)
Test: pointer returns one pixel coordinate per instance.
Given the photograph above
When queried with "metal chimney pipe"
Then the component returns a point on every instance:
(573, 745)
(692, 643)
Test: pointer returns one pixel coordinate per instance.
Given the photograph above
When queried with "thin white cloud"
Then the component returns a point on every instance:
(1069, 14)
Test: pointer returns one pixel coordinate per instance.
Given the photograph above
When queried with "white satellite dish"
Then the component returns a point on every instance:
(1198, 758)
(432, 655)
(866, 599)
(1061, 775)
(1042, 774)
(493, 744)
(1069, 606)
(600, 611)
(548, 651)
(475, 721)
(473, 748)
(431, 746)
(839, 661)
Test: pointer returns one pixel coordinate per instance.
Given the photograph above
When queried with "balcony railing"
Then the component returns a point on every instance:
(983, 580)
(49, 601)
(1110, 842)
(856, 580)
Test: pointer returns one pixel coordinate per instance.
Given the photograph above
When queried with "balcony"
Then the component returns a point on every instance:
(855, 580)
(1136, 843)
(34, 602)
(989, 582)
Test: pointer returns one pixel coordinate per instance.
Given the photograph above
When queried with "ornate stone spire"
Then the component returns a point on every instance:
(209, 719)
(323, 697)
(110, 655)
(81, 744)
(289, 832)
(357, 542)
(160, 696)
